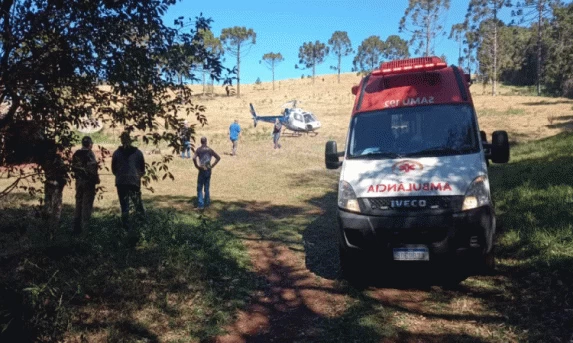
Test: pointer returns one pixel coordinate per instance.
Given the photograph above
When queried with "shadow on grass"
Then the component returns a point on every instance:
(534, 197)
(546, 102)
(178, 274)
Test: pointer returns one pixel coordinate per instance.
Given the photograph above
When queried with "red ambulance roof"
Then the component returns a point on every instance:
(400, 84)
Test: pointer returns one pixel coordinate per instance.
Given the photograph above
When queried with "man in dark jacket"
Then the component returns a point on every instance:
(128, 166)
(56, 178)
(84, 166)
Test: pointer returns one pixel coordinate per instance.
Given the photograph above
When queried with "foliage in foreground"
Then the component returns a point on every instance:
(65, 64)
(179, 274)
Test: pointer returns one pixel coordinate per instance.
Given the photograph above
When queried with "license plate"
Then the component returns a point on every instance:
(412, 253)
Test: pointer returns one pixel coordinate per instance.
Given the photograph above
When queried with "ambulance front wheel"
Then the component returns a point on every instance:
(486, 264)
(351, 265)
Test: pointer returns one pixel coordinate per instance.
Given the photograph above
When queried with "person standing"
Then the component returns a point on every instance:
(234, 134)
(277, 133)
(56, 178)
(84, 166)
(128, 166)
(202, 161)
(185, 136)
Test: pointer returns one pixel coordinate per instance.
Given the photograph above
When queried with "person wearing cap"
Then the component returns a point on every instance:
(202, 160)
(185, 136)
(234, 134)
(128, 166)
(85, 168)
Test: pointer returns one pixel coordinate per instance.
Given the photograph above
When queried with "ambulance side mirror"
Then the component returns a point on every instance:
(486, 147)
(331, 156)
(499, 147)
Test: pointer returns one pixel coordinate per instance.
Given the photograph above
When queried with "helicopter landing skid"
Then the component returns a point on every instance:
(299, 133)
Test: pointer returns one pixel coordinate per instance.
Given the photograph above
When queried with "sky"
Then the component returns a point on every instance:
(283, 26)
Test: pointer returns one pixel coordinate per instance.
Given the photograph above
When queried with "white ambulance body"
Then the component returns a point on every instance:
(414, 181)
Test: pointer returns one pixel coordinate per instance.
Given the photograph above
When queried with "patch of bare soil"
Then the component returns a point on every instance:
(293, 300)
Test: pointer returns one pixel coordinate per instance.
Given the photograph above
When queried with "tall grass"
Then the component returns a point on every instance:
(534, 199)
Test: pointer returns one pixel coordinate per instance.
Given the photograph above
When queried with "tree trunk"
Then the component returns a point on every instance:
(313, 71)
(460, 42)
(428, 30)
(273, 70)
(238, 70)
(539, 19)
(203, 75)
(338, 67)
(494, 76)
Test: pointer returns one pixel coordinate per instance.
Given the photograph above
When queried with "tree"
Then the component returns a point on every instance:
(423, 19)
(559, 67)
(517, 55)
(215, 47)
(54, 55)
(369, 55)
(395, 48)
(457, 33)
(272, 61)
(340, 45)
(486, 11)
(311, 54)
(487, 50)
(471, 41)
(235, 39)
(538, 12)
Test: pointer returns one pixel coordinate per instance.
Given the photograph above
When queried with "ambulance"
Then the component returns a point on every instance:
(414, 172)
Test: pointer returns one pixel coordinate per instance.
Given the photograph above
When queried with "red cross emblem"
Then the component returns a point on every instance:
(406, 167)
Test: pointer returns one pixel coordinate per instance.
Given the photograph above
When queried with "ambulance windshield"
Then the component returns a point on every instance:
(422, 131)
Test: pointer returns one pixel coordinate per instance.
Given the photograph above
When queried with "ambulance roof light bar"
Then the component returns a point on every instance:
(409, 65)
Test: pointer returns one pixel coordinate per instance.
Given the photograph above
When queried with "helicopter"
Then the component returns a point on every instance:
(293, 118)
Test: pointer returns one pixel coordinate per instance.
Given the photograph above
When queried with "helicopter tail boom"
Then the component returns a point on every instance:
(254, 114)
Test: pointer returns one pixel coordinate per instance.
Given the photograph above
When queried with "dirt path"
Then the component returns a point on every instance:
(292, 300)
(298, 306)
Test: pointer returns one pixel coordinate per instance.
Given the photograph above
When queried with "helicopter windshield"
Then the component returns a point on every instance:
(309, 118)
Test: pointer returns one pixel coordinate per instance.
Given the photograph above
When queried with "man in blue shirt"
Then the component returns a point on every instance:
(234, 134)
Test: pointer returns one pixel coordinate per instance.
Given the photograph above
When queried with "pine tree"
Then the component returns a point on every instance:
(272, 60)
(481, 11)
(235, 39)
(423, 19)
(369, 55)
(340, 45)
(311, 54)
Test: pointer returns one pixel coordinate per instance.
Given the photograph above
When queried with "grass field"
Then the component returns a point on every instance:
(261, 263)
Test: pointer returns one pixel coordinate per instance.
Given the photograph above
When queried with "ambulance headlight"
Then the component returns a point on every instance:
(477, 194)
(347, 198)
